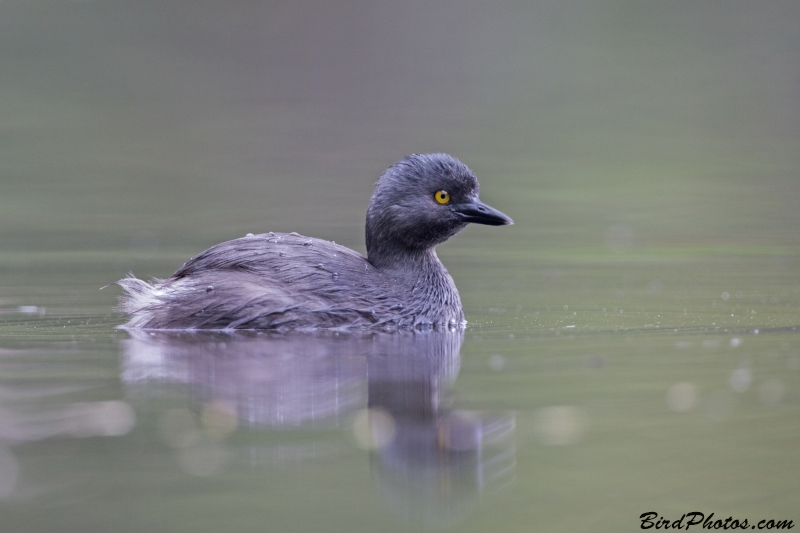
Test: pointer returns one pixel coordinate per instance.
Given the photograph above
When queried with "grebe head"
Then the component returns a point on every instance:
(422, 201)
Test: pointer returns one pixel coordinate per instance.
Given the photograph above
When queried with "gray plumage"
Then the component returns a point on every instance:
(287, 281)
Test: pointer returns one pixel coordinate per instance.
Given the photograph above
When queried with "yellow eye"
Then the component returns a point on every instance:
(442, 197)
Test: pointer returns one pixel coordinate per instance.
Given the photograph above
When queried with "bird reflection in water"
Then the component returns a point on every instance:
(430, 462)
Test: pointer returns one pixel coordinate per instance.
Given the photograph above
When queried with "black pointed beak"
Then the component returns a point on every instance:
(479, 213)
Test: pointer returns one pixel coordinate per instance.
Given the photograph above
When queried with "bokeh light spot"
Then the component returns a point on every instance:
(559, 425)
(682, 397)
(219, 418)
(373, 429)
(740, 379)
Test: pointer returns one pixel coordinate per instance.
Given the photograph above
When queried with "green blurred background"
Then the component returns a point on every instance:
(201, 120)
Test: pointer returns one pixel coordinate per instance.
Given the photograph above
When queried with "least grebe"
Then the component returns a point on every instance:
(287, 281)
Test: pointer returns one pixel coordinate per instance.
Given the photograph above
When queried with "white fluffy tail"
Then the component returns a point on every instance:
(139, 298)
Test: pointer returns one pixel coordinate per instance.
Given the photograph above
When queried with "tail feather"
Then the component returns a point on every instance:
(139, 297)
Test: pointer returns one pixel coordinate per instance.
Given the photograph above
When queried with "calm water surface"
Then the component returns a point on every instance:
(547, 414)
(633, 339)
